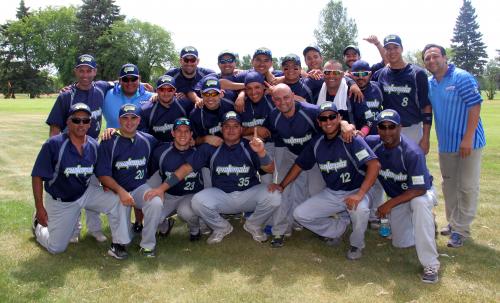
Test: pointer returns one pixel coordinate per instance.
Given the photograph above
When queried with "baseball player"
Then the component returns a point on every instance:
(234, 168)
(304, 89)
(407, 182)
(122, 166)
(64, 167)
(349, 170)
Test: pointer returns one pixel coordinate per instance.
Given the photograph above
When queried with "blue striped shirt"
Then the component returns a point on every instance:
(451, 99)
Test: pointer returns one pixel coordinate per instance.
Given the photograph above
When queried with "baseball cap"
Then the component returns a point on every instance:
(327, 106)
(360, 66)
(128, 109)
(165, 80)
(291, 57)
(210, 83)
(80, 107)
(254, 77)
(263, 51)
(353, 47)
(393, 39)
(309, 48)
(231, 115)
(189, 51)
(129, 69)
(85, 59)
(389, 115)
(182, 121)
(227, 52)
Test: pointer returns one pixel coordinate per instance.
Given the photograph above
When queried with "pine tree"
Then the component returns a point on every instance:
(22, 11)
(467, 41)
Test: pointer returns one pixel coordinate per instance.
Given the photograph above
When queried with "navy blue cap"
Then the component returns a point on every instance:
(254, 76)
(360, 66)
(353, 47)
(389, 115)
(165, 80)
(263, 51)
(327, 106)
(291, 57)
(182, 121)
(129, 69)
(309, 48)
(128, 109)
(393, 39)
(189, 51)
(80, 107)
(85, 60)
(231, 115)
(210, 83)
(227, 52)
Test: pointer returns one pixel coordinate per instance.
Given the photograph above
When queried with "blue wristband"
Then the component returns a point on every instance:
(266, 160)
(427, 118)
(171, 180)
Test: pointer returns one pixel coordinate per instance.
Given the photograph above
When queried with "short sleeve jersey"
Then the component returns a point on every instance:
(256, 112)
(373, 97)
(186, 85)
(208, 122)
(307, 88)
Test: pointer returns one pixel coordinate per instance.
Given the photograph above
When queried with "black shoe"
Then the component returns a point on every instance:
(137, 227)
(118, 251)
(196, 237)
(165, 227)
(277, 241)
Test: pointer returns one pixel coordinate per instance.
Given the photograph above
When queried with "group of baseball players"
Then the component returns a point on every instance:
(319, 148)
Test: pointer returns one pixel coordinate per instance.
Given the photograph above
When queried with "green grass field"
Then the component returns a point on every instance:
(239, 269)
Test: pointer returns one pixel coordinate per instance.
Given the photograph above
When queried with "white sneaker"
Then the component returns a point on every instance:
(256, 232)
(74, 240)
(99, 236)
(218, 235)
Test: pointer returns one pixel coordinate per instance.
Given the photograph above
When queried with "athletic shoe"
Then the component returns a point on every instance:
(333, 241)
(137, 227)
(354, 253)
(256, 232)
(218, 235)
(74, 239)
(165, 227)
(99, 236)
(278, 241)
(430, 274)
(148, 253)
(456, 240)
(297, 227)
(195, 237)
(118, 251)
(204, 229)
(446, 231)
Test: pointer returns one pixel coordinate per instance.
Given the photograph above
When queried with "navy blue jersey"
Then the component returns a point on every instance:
(167, 158)
(94, 98)
(208, 122)
(405, 91)
(186, 85)
(375, 67)
(126, 160)
(66, 173)
(307, 88)
(294, 132)
(372, 95)
(230, 95)
(357, 113)
(256, 113)
(233, 168)
(403, 167)
(158, 120)
(343, 165)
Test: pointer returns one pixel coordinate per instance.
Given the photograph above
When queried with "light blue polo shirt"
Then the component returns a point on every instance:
(451, 99)
(115, 99)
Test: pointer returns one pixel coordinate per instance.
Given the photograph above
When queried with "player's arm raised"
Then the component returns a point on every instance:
(257, 145)
(181, 173)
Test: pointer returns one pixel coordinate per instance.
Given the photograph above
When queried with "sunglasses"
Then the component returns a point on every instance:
(360, 74)
(168, 89)
(326, 118)
(129, 79)
(210, 94)
(182, 122)
(384, 127)
(229, 60)
(80, 120)
(332, 72)
(189, 60)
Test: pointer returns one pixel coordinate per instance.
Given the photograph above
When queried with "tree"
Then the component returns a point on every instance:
(245, 63)
(22, 11)
(335, 31)
(470, 53)
(491, 78)
(414, 57)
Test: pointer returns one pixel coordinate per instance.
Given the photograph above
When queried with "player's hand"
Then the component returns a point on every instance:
(181, 96)
(42, 217)
(270, 78)
(213, 140)
(148, 87)
(65, 89)
(126, 198)
(269, 87)
(383, 210)
(154, 98)
(107, 133)
(262, 132)
(239, 104)
(356, 91)
(424, 145)
(347, 131)
(154, 192)
(372, 39)
(352, 201)
(199, 102)
(315, 74)
(257, 144)
(275, 187)
(465, 148)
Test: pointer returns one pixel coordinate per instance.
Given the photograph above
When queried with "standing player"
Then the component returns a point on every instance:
(64, 167)
(314, 61)
(122, 166)
(407, 182)
(305, 89)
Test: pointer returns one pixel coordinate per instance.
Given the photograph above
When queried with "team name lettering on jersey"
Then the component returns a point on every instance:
(397, 89)
(253, 123)
(130, 163)
(332, 166)
(214, 130)
(79, 170)
(232, 170)
(292, 140)
(387, 174)
(373, 104)
(163, 128)
(191, 175)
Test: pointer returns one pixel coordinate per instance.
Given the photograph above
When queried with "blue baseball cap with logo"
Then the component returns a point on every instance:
(189, 51)
(327, 106)
(231, 115)
(360, 66)
(227, 52)
(128, 109)
(393, 39)
(263, 51)
(165, 80)
(310, 48)
(85, 60)
(210, 83)
(353, 47)
(389, 115)
(291, 58)
(80, 107)
(182, 121)
(254, 76)
(129, 69)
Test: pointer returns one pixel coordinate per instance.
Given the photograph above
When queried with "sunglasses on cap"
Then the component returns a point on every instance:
(129, 79)
(180, 122)
(228, 60)
(167, 89)
(360, 74)
(384, 127)
(189, 60)
(326, 118)
(332, 72)
(210, 94)
(80, 120)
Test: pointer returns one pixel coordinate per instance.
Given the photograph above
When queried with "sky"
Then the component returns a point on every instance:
(287, 26)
